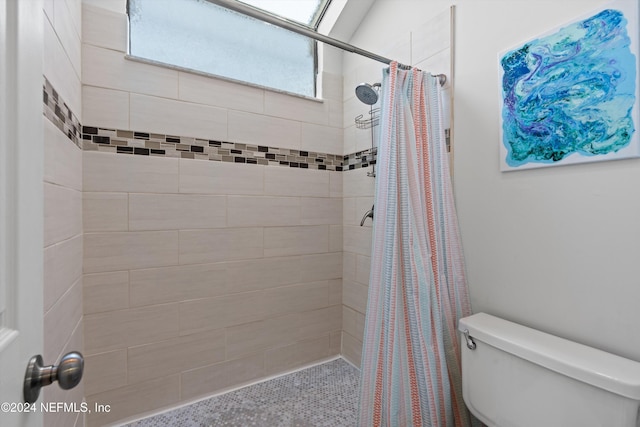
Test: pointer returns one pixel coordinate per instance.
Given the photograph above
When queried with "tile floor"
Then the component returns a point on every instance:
(324, 395)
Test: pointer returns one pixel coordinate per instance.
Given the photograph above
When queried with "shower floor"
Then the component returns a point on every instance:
(324, 395)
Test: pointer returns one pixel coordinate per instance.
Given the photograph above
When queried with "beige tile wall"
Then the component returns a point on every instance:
(63, 326)
(211, 289)
(199, 275)
(428, 48)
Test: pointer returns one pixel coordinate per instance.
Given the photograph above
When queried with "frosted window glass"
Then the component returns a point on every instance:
(302, 11)
(202, 36)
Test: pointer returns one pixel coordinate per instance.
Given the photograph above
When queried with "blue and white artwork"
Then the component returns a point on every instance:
(571, 95)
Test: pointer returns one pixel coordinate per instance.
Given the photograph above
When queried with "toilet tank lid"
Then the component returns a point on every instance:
(587, 364)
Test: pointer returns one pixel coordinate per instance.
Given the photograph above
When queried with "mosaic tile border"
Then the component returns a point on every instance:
(154, 144)
(57, 111)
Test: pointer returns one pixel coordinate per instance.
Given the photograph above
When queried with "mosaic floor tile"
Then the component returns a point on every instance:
(320, 396)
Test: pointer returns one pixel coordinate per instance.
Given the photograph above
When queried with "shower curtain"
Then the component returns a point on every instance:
(410, 373)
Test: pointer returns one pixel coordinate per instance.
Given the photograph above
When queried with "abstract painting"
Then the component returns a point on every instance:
(571, 95)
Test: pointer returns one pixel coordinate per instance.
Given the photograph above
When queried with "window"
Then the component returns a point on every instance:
(202, 36)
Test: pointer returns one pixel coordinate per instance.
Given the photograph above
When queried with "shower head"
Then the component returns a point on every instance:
(367, 93)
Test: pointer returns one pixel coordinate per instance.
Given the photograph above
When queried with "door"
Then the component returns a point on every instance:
(21, 203)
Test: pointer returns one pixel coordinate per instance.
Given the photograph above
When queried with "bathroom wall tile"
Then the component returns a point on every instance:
(174, 355)
(363, 269)
(255, 274)
(206, 177)
(251, 211)
(430, 38)
(349, 213)
(172, 117)
(357, 239)
(202, 246)
(220, 93)
(62, 158)
(321, 266)
(61, 319)
(321, 210)
(281, 241)
(352, 108)
(105, 108)
(124, 328)
(296, 182)
(335, 291)
(62, 268)
(59, 70)
(354, 295)
(174, 284)
(336, 343)
(104, 28)
(220, 312)
(109, 69)
(350, 77)
(335, 184)
(351, 349)
(295, 298)
(74, 9)
(356, 183)
(62, 213)
(321, 138)
(349, 266)
(105, 211)
(129, 250)
(253, 337)
(294, 108)
(335, 238)
(349, 137)
(263, 130)
(56, 394)
(363, 138)
(66, 31)
(331, 86)
(105, 371)
(135, 174)
(117, 6)
(285, 358)
(105, 292)
(134, 399)
(176, 211)
(318, 322)
(209, 379)
(336, 113)
(353, 322)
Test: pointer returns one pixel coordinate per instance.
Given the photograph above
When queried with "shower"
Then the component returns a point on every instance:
(368, 94)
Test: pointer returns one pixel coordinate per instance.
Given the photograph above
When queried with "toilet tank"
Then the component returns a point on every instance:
(520, 377)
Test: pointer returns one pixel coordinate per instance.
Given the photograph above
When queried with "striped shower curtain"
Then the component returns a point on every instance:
(417, 289)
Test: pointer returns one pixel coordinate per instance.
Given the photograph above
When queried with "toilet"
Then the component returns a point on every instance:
(515, 376)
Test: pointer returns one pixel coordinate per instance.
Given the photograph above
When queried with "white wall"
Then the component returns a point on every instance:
(554, 248)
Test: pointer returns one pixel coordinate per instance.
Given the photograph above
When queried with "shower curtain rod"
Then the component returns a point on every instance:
(290, 25)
